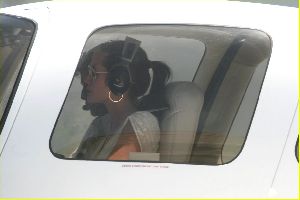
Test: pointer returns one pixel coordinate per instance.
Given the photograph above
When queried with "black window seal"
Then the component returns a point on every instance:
(297, 149)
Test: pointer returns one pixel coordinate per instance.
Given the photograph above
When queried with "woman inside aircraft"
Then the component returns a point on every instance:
(118, 75)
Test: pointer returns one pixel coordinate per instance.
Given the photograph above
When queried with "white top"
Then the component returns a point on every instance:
(100, 138)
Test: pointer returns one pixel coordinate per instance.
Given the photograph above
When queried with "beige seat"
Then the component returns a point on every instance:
(179, 123)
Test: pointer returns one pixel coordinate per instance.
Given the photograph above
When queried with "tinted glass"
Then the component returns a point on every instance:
(16, 35)
(187, 96)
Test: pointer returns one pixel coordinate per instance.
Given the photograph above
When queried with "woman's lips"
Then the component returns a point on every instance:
(84, 93)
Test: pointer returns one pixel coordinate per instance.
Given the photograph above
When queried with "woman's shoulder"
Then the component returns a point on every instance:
(144, 119)
(146, 128)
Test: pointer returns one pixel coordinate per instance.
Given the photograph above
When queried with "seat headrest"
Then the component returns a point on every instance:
(183, 95)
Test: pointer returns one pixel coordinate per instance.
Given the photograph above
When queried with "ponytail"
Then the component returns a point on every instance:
(161, 75)
(154, 99)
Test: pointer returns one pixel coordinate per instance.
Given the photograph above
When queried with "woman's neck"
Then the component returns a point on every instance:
(119, 111)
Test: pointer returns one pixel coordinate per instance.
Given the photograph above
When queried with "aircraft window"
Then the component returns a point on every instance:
(163, 93)
(16, 37)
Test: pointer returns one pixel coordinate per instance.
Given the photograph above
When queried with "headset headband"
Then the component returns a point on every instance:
(130, 48)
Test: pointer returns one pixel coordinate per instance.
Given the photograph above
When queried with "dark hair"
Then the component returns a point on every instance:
(139, 68)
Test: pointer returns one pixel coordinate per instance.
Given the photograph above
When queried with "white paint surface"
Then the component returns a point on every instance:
(28, 169)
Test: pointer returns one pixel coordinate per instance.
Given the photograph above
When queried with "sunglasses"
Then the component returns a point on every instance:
(93, 73)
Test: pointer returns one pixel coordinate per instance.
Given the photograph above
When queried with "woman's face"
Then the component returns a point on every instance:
(94, 80)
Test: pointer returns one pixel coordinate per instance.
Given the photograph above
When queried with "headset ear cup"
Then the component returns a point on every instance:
(118, 80)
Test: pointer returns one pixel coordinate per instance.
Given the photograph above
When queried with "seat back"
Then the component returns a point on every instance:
(179, 123)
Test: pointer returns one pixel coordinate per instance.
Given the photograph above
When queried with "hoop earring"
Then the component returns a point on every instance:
(115, 101)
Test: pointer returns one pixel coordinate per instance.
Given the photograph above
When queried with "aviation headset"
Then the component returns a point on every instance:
(119, 77)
